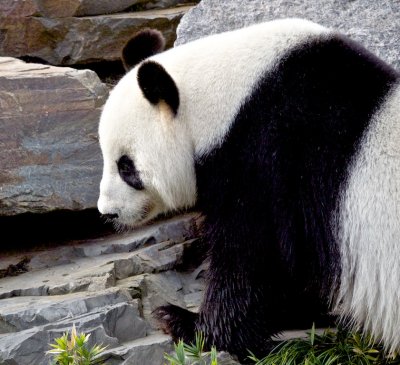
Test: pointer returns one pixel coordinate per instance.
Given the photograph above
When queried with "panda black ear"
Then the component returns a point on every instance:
(142, 45)
(157, 85)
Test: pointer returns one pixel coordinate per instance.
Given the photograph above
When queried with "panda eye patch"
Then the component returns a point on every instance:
(128, 172)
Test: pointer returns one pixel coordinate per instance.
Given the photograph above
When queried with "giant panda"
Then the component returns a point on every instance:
(286, 136)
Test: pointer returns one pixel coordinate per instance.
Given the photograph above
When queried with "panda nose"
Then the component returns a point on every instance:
(110, 216)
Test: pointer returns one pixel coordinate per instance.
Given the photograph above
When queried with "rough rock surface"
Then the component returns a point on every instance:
(80, 40)
(106, 287)
(375, 24)
(49, 153)
(67, 8)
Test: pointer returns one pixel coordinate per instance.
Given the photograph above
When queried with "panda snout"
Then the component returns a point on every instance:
(108, 211)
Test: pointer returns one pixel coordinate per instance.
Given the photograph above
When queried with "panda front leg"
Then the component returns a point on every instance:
(176, 321)
(235, 314)
(232, 316)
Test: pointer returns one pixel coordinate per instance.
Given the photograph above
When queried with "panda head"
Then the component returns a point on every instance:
(147, 152)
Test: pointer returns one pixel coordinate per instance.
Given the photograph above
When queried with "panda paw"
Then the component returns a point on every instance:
(178, 322)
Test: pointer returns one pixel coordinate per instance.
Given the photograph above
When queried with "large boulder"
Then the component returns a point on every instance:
(67, 8)
(47, 31)
(376, 24)
(49, 155)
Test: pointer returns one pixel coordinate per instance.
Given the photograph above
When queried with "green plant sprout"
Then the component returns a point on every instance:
(73, 350)
(192, 354)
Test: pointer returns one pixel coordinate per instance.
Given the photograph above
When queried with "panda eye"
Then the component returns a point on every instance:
(128, 173)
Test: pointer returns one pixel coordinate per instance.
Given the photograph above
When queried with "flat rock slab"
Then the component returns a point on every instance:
(49, 153)
(68, 8)
(82, 40)
(148, 350)
(375, 24)
(110, 325)
(21, 313)
(98, 264)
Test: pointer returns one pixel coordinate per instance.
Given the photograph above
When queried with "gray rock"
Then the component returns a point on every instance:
(182, 289)
(161, 289)
(148, 350)
(92, 267)
(81, 275)
(134, 285)
(13, 353)
(49, 157)
(193, 300)
(226, 359)
(161, 257)
(223, 359)
(111, 325)
(375, 24)
(162, 4)
(85, 277)
(94, 7)
(177, 229)
(80, 40)
(13, 8)
(194, 283)
(69, 8)
(21, 313)
(91, 285)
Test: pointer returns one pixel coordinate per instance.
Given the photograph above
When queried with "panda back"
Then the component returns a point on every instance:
(215, 75)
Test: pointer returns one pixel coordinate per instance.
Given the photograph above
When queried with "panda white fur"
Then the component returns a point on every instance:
(286, 135)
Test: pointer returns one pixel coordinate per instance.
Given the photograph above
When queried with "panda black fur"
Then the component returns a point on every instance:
(286, 135)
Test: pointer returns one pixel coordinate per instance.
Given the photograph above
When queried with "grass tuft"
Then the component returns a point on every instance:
(72, 349)
(192, 354)
(339, 347)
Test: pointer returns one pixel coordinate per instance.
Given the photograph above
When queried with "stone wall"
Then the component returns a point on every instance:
(107, 287)
(70, 32)
(49, 154)
(50, 162)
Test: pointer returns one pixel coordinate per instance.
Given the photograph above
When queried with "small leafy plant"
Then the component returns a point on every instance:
(74, 350)
(192, 354)
(339, 347)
